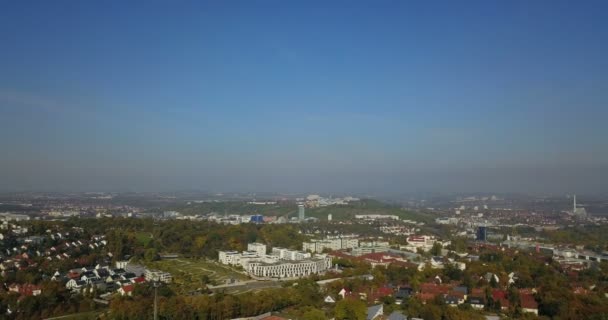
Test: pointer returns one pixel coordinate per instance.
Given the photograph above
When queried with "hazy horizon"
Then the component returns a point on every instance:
(245, 96)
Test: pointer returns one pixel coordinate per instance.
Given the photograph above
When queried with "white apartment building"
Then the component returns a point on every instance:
(294, 269)
(371, 247)
(257, 247)
(422, 242)
(376, 217)
(281, 263)
(447, 220)
(286, 254)
(228, 257)
(7, 216)
(331, 244)
(156, 275)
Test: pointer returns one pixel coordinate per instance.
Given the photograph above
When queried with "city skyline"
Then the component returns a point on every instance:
(291, 97)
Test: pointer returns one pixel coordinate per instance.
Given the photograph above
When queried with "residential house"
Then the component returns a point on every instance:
(477, 302)
(500, 296)
(402, 294)
(528, 303)
(126, 290)
(375, 312)
(27, 289)
(397, 315)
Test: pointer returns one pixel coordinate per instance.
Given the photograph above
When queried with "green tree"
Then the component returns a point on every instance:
(436, 249)
(314, 314)
(151, 255)
(350, 310)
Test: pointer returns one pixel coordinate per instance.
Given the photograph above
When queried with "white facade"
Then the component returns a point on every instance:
(331, 244)
(447, 220)
(155, 275)
(259, 248)
(376, 217)
(294, 269)
(286, 254)
(7, 216)
(422, 242)
(227, 257)
(301, 212)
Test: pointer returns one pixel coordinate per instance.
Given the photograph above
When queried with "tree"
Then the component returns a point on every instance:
(350, 310)
(436, 249)
(314, 314)
(151, 255)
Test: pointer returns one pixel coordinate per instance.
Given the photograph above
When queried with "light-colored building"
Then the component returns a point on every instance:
(122, 264)
(227, 257)
(415, 242)
(291, 269)
(331, 244)
(447, 220)
(371, 247)
(376, 217)
(156, 275)
(7, 216)
(286, 254)
(259, 248)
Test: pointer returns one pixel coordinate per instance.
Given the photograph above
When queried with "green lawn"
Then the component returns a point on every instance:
(188, 273)
(90, 315)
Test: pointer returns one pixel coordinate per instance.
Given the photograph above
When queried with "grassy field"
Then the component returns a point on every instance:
(188, 273)
(90, 315)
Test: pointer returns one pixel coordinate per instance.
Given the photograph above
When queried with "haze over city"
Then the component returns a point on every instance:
(385, 97)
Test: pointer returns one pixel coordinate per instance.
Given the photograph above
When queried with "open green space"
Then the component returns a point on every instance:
(89, 315)
(191, 274)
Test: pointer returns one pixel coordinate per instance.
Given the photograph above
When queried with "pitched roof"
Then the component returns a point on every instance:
(374, 311)
(528, 302)
(396, 315)
(498, 294)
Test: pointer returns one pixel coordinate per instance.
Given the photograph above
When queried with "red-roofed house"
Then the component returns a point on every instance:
(501, 296)
(376, 295)
(435, 288)
(425, 297)
(126, 290)
(528, 303)
(138, 280)
(25, 289)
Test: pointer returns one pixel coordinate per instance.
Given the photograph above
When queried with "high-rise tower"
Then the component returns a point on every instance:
(301, 214)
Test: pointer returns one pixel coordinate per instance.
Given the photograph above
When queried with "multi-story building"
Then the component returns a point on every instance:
(415, 242)
(331, 244)
(228, 257)
(286, 254)
(372, 217)
(156, 275)
(294, 269)
(301, 213)
(371, 247)
(281, 263)
(259, 248)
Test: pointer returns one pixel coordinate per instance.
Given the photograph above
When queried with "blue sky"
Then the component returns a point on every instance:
(310, 96)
